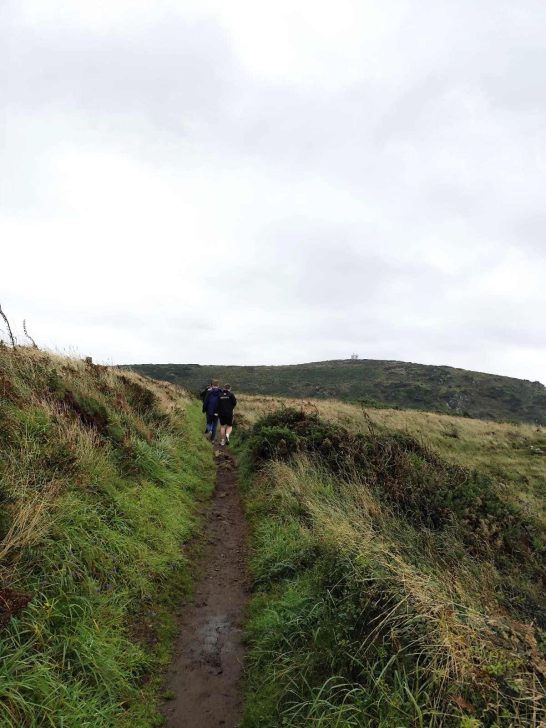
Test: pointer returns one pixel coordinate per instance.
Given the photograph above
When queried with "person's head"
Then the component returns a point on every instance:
(214, 383)
(227, 387)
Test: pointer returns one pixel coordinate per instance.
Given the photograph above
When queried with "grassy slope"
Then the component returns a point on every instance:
(402, 384)
(394, 590)
(513, 454)
(100, 474)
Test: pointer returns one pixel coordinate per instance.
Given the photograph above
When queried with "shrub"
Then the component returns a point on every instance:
(272, 442)
(419, 485)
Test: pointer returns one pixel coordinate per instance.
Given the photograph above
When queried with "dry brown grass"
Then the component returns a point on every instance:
(513, 454)
(30, 518)
(170, 396)
(452, 612)
(31, 498)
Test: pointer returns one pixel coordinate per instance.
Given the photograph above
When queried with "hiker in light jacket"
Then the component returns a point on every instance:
(210, 406)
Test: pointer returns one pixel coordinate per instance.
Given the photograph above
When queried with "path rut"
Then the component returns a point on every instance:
(205, 675)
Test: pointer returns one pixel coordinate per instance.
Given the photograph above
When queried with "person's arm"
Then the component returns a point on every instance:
(234, 400)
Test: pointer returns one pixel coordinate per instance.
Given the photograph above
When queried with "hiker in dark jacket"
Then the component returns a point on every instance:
(226, 405)
(210, 406)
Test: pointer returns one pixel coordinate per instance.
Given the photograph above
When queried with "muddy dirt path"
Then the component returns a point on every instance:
(205, 675)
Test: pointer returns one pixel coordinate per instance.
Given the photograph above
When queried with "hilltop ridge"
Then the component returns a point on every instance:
(376, 382)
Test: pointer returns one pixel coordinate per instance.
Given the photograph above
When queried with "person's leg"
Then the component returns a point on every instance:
(214, 425)
(229, 428)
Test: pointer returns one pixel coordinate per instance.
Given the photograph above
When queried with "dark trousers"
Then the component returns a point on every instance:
(212, 423)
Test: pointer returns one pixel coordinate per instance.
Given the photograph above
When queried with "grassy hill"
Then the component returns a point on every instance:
(391, 383)
(397, 560)
(398, 568)
(100, 475)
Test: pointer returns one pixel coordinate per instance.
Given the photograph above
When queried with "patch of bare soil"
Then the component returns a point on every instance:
(11, 603)
(205, 676)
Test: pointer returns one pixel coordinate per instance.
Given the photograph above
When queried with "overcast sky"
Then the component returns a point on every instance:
(276, 182)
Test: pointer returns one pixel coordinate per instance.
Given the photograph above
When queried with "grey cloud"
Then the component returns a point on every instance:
(151, 322)
(529, 231)
(439, 160)
(170, 73)
(331, 268)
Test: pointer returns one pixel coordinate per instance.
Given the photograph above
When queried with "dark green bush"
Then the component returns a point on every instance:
(272, 442)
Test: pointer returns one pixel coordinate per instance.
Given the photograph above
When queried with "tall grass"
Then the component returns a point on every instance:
(511, 453)
(99, 479)
(367, 614)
